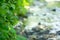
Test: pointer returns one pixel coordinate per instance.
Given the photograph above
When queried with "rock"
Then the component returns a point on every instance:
(36, 33)
(46, 32)
(36, 29)
(54, 10)
(18, 27)
(27, 33)
(32, 37)
(58, 33)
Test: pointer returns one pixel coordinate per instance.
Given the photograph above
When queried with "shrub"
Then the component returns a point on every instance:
(9, 9)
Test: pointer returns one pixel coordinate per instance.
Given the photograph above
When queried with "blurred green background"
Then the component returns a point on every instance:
(9, 11)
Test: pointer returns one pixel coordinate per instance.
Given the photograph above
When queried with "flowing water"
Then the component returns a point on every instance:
(49, 17)
(46, 16)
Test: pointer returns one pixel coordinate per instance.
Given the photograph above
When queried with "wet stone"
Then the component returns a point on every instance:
(54, 10)
(35, 29)
(46, 32)
(44, 14)
(58, 33)
(39, 23)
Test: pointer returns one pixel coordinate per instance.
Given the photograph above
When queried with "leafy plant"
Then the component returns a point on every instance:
(9, 11)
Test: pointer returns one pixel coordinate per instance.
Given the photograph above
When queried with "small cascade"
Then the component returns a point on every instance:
(43, 19)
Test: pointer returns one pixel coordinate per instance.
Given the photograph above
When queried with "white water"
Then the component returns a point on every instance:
(40, 13)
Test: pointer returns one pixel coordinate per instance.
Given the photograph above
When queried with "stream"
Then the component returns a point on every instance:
(42, 23)
(44, 18)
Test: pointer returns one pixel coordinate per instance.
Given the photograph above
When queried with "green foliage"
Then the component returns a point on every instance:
(9, 9)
